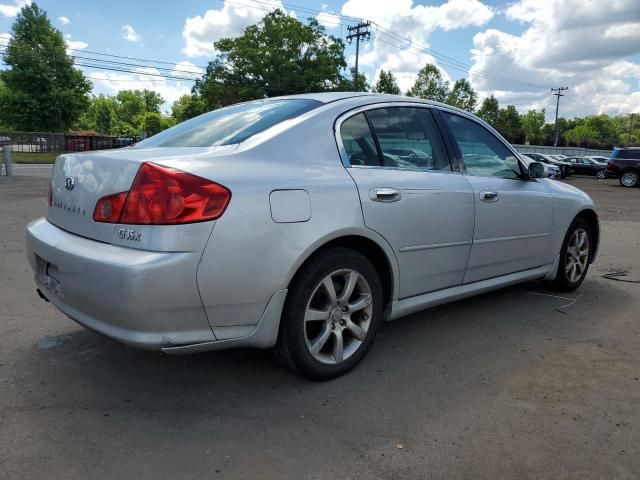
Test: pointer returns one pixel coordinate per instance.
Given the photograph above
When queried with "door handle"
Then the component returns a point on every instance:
(386, 195)
(489, 196)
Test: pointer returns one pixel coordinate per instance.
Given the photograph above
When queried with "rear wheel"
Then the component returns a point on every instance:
(574, 257)
(601, 174)
(629, 178)
(333, 310)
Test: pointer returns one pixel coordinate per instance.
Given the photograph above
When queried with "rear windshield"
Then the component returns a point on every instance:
(230, 125)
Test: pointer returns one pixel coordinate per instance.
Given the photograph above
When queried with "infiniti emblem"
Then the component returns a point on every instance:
(69, 183)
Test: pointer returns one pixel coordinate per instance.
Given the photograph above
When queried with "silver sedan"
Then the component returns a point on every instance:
(300, 223)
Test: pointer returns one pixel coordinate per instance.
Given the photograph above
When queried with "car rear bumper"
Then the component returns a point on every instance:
(141, 298)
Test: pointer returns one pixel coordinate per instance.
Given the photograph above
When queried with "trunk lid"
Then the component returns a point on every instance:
(79, 180)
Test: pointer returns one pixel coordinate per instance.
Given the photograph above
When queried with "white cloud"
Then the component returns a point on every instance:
(130, 35)
(388, 51)
(12, 9)
(327, 18)
(200, 32)
(5, 37)
(581, 44)
(64, 20)
(73, 45)
(146, 78)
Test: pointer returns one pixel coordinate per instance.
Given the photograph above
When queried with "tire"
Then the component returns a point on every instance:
(629, 178)
(324, 335)
(601, 174)
(568, 278)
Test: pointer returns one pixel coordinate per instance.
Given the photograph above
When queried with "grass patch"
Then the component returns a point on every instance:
(30, 157)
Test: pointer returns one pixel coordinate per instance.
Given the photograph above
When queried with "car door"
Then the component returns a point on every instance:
(513, 215)
(409, 192)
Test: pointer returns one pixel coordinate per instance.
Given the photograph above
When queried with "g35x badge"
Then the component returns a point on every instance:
(126, 234)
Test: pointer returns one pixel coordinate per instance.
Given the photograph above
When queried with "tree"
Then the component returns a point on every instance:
(152, 123)
(100, 116)
(581, 135)
(387, 83)
(43, 91)
(131, 107)
(532, 123)
(186, 107)
(490, 111)
(463, 96)
(509, 124)
(278, 56)
(430, 84)
(346, 83)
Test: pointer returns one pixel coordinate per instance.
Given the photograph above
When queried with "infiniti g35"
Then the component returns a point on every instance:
(300, 223)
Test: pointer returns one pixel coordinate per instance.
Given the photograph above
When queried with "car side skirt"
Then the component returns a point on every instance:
(410, 305)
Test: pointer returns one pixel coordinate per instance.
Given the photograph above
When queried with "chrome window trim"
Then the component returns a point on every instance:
(343, 117)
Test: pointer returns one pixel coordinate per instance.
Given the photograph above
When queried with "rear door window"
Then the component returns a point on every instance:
(408, 138)
(358, 141)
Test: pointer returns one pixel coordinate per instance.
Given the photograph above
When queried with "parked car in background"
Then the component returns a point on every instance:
(559, 156)
(5, 140)
(565, 167)
(286, 223)
(551, 171)
(586, 166)
(598, 159)
(624, 165)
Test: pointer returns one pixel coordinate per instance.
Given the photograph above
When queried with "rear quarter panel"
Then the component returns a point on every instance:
(249, 256)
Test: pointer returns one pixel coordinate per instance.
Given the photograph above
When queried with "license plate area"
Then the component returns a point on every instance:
(46, 273)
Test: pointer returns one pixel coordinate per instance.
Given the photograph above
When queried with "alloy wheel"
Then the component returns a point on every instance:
(338, 316)
(600, 174)
(629, 179)
(577, 256)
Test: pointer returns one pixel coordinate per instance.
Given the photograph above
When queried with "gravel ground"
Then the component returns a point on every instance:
(511, 384)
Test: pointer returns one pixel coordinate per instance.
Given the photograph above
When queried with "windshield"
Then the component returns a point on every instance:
(230, 125)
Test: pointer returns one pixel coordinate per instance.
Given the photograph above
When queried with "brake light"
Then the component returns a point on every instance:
(164, 196)
(609, 164)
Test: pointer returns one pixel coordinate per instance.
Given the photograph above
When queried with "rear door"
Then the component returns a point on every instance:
(410, 193)
(513, 215)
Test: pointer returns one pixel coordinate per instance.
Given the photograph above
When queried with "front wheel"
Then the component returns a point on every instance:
(629, 179)
(574, 257)
(332, 313)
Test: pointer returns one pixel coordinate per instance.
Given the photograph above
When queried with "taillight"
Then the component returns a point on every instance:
(610, 165)
(164, 196)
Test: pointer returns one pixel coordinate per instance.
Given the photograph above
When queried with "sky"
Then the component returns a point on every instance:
(516, 50)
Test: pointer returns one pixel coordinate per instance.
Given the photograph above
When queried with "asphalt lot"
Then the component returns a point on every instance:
(512, 384)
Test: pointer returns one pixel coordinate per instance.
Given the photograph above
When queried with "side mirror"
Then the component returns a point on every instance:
(537, 170)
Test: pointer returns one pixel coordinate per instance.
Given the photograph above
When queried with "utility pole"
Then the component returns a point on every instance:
(630, 127)
(358, 31)
(558, 94)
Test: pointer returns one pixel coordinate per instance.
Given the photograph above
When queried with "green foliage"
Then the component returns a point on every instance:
(490, 111)
(581, 135)
(151, 123)
(346, 84)
(186, 107)
(509, 124)
(429, 84)
(532, 123)
(463, 96)
(387, 83)
(278, 56)
(126, 114)
(42, 89)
